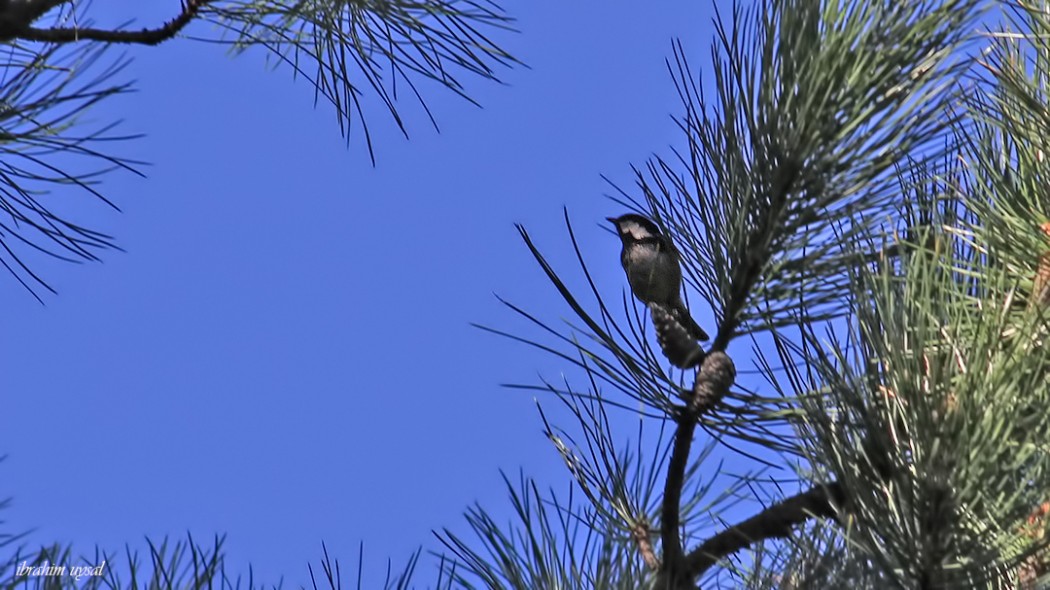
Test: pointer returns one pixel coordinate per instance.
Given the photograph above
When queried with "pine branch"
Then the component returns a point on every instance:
(670, 511)
(773, 522)
(15, 14)
(712, 383)
(12, 29)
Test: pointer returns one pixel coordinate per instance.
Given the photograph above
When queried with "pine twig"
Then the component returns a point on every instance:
(22, 30)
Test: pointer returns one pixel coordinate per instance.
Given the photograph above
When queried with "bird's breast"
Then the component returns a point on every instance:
(654, 275)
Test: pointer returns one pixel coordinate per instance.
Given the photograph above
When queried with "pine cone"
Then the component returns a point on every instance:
(675, 340)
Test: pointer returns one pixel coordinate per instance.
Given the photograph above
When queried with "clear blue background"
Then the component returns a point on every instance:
(284, 352)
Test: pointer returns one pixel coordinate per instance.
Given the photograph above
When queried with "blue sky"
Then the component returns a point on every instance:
(284, 354)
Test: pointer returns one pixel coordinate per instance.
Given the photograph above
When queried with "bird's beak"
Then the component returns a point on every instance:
(611, 220)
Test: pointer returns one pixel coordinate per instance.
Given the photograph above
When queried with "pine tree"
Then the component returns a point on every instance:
(864, 198)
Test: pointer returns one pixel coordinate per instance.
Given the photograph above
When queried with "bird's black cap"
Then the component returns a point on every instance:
(636, 219)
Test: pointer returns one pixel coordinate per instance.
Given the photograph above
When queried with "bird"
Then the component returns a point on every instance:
(653, 268)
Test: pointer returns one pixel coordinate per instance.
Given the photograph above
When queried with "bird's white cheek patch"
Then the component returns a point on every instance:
(638, 233)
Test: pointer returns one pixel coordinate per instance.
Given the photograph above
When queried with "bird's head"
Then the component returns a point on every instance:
(633, 228)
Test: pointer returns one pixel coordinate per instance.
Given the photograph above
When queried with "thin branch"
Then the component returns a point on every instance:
(773, 522)
(712, 383)
(156, 36)
(641, 536)
(672, 504)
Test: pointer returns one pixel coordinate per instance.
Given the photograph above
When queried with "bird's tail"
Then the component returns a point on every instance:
(687, 321)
